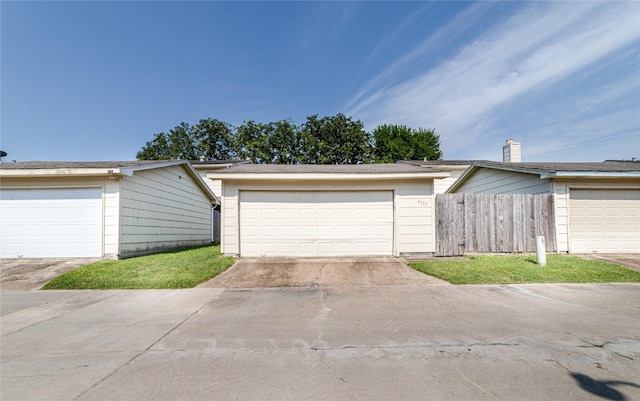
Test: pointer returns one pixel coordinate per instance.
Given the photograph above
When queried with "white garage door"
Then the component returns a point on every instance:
(604, 221)
(38, 223)
(323, 223)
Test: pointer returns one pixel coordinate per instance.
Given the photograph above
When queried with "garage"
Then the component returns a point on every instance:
(110, 209)
(316, 223)
(342, 210)
(604, 220)
(51, 222)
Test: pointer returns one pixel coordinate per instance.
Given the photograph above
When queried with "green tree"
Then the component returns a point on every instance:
(213, 139)
(283, 142)
(251, 142)
(334, 140)
(156, 149)
(327, 140)
(179, 143)
(399, 142)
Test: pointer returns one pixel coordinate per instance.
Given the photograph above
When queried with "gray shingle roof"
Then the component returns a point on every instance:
(207, 162)
(440, 162)
(554, 167)
(395, 168)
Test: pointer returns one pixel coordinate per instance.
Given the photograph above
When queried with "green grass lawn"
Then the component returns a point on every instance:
(175, 269)
(485, 269)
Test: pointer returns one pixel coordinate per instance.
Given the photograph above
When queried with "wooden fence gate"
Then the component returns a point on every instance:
(493, 223)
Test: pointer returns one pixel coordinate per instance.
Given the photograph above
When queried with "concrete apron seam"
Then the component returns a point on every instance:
(142, 352)
(35, 322)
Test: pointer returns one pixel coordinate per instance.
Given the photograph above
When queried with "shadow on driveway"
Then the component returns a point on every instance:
(602, 388)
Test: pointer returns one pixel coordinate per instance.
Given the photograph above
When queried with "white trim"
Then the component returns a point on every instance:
(591, 174)
(325, 176)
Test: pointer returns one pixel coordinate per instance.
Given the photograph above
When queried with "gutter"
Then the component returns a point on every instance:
(592, 174)
(325, 176)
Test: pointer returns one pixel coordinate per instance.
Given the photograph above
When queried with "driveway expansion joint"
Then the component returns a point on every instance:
(140, 353)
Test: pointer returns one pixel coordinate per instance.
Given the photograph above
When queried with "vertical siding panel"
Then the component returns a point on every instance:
(160, 209)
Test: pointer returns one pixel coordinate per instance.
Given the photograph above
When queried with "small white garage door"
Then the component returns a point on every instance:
(38, 223)
(604, 220)
(322, 223)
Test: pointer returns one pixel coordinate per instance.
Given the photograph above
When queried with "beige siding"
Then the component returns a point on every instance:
(162, 209)
(413, 215)
(561, 203)
(441, 185)
(214, 185)
(109, 196)
(111, 219)
(490, 181)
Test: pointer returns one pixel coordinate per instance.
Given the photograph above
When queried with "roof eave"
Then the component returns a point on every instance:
(463, 177)
(112, 172)
(64, 172)
(513, 168)
(326, 176)
(592, 174)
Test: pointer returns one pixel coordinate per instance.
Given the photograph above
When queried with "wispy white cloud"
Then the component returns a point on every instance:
(441, 38)
(532, 51)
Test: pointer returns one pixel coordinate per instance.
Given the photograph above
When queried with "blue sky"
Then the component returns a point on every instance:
(97, 80)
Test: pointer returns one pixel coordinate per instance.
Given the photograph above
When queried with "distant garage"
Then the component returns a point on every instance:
(316, 223)
(102, 209)
(51, 222)
(596, 204)
(604, 220)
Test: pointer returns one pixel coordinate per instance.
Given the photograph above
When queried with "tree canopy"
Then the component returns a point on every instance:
(399, 142)
(327, 140)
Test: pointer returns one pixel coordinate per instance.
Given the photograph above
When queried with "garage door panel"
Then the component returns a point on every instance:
(51, 222)
(317, 223)
(604, 220)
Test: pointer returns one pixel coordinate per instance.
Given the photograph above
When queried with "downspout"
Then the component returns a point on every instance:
(213, 206)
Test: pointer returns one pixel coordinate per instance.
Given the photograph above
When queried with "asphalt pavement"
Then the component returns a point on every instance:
(397, 342)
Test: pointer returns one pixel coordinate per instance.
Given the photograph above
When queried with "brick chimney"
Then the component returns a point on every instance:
(511, 152)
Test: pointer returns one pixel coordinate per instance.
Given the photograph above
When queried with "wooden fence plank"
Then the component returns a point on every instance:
(505, 223)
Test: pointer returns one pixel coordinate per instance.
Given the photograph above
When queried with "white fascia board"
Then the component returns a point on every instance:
(61, 172)
(86, 171)
(325, 176)
(512, 168)
(128, 171)
(591, 174)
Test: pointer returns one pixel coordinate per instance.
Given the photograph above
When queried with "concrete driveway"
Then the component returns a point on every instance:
(513, 342)
(265, 273)
(630, 260)
(32, 274)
